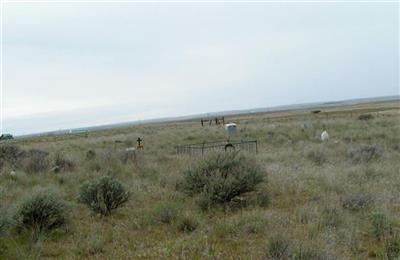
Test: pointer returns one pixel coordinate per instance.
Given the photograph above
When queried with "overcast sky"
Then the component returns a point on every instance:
(73, 65)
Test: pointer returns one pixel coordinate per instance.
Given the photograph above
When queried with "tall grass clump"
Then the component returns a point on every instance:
(103, 195)
(41, 211)
(222, 177)
(380, 224)
(278, 248)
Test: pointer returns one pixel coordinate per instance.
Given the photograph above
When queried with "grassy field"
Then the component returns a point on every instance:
(338, 199)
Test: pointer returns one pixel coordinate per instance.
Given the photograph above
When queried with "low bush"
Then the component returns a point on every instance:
(61, 163)
(166, 212)
(187, 224)
(365, 117)
(317, 156)
(42, 211)
(222, 177)
(103, 195)
(10, 155)
(36, 161)
(96, 246)
(366, 153)
(356, 201)
(90, 155)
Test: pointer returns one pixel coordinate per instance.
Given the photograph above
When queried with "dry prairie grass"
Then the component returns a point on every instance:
(323, 204)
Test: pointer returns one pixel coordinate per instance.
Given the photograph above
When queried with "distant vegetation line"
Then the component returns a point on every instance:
(313, 105)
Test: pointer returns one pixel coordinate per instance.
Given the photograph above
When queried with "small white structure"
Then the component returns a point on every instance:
(130, 149)
(324, 136)
(230, 129)
(12, 173)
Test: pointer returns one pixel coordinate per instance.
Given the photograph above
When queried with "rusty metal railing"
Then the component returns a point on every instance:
(206, 147)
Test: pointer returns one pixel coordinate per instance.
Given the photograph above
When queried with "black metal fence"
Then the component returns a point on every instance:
(206, 147)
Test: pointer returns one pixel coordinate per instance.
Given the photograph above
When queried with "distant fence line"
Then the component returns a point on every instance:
(206, 147)
(377, 112)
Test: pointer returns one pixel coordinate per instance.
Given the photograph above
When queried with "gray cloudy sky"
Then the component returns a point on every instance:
(72, 65)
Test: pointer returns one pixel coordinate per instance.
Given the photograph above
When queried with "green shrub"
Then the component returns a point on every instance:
(222, 177)
(366, 153)
(166, 212)
(103, 195)
(278, 248)
(42, 211)
(380, 224)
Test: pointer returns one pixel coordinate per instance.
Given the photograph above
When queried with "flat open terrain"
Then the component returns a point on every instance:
(338, 199)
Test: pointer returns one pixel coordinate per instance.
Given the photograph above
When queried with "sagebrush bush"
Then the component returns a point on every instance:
(10, 155)
(365, 117)
(366, 153)
(222, 177)
(61, 163)
(187, 223)
(103, 195)
(36, 161)
(317, 156)
(96, 246)
(356, 201)
(90, 155)
(42, 211)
